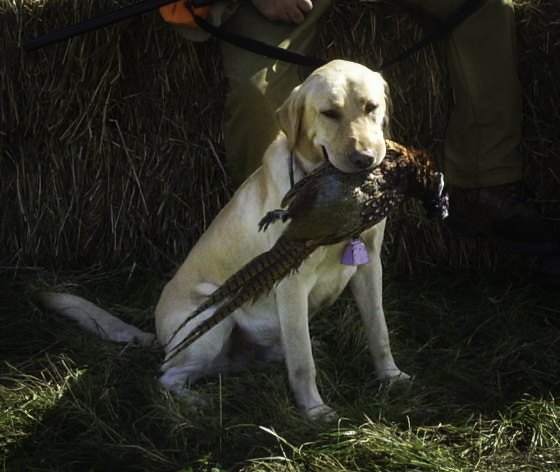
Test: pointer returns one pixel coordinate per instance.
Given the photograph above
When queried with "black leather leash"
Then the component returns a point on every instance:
(274, 52)
(249, 44)
(106, 19)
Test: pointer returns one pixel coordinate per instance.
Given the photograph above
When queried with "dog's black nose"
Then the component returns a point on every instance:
(361, 160)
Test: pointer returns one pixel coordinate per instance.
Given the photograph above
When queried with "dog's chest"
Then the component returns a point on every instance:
(328, 276)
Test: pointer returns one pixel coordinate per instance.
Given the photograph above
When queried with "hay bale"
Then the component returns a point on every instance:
(111, 147)
(112, 144)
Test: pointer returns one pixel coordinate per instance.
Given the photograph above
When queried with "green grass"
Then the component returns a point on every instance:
(484, 353)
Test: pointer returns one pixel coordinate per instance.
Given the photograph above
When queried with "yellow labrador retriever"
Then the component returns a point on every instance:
(338, 113)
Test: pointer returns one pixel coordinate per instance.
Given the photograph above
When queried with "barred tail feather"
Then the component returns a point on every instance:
(260, 274)
(252, 281)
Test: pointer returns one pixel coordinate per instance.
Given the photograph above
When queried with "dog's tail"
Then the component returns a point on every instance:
(94, 319)
(250, 282)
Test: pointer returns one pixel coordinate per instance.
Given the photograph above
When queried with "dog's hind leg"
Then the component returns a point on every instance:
(176, 379)
(208, 355)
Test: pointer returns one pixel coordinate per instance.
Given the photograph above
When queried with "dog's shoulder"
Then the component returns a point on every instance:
(276, 165)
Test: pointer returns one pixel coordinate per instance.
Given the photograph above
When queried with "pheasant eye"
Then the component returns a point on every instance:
(331, 113)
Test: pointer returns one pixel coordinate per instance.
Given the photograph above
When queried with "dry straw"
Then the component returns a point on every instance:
(111, 149)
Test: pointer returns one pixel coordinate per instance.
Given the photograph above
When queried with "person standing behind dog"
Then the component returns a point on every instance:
(482, 159)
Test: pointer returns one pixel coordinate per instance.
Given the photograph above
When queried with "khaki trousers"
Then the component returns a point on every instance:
(484, 131)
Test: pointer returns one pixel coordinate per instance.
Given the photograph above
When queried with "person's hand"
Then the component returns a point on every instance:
(287, 11)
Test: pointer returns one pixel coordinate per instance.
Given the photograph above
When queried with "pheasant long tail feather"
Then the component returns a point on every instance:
(252, 281)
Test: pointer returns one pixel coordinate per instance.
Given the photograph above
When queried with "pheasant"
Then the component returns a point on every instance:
(326, 207)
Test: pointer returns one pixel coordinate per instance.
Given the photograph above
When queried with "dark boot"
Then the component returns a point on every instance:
(499, 214)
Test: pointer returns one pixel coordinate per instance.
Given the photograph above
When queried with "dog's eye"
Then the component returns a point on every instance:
(331, 113)
(370, 107)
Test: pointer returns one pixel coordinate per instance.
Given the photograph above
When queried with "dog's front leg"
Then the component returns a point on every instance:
(292, 305)
(366, 286)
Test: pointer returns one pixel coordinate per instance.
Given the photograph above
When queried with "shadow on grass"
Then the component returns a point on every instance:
(476, 347)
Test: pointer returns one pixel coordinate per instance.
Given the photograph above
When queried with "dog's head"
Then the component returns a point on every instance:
(338, 113)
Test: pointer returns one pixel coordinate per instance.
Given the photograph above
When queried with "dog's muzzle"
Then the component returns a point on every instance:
(361, 160)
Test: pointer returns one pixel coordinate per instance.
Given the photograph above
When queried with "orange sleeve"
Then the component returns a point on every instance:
(177, 13)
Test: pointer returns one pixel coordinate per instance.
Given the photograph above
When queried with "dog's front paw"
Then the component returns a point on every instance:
(321, 413)
(393, 376)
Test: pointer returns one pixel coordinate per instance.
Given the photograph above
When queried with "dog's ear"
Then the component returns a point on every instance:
(388, 108)
(289, 115)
